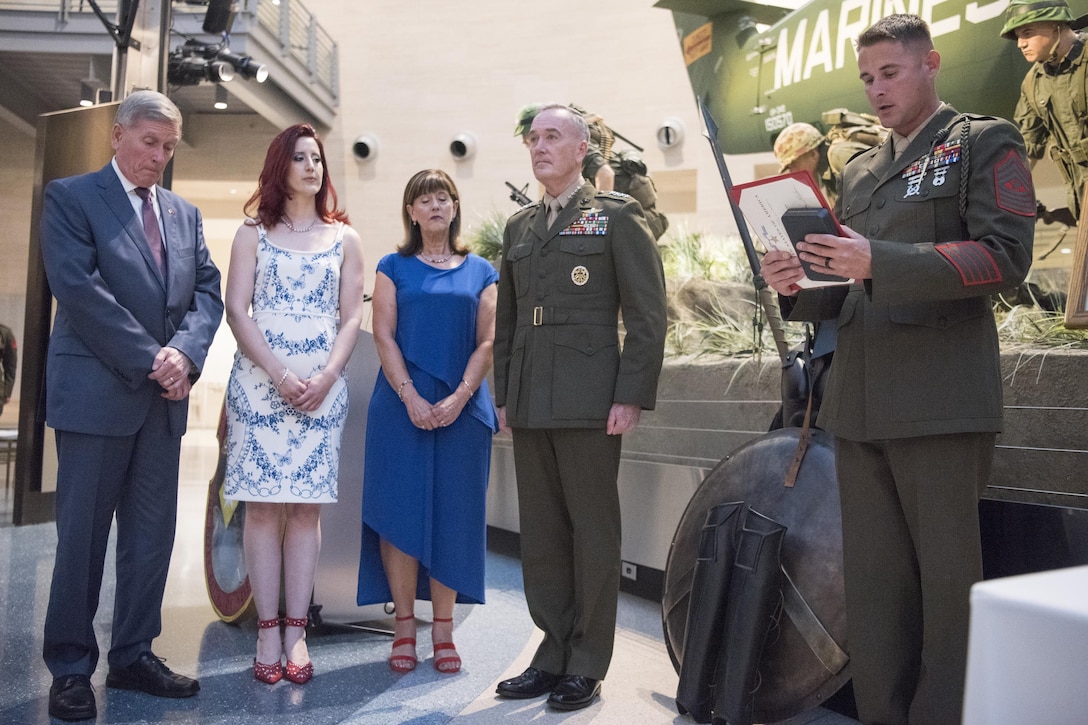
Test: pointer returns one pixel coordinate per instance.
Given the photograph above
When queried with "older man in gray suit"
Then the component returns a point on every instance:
(138, 302)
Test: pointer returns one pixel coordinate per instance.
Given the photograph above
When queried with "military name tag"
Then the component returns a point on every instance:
(591, 222)
(579, 275)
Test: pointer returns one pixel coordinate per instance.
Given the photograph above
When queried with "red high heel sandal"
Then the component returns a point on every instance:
(403, 663)
(300, 675)
(270, 674)
(450, 664)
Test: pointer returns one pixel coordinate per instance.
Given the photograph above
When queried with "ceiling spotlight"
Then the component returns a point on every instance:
(191, 70)
(91, 89)
(220, 97)
(194, 62)
(245, 65)
(86, 92)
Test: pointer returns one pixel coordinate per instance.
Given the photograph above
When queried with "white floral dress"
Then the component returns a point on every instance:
(275, 452)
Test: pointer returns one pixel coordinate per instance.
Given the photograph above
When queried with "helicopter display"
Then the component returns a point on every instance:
(759, 68)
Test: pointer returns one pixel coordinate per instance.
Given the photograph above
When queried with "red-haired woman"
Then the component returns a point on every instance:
(294, 303)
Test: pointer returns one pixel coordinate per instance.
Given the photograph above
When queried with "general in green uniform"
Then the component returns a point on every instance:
(608, 169)
(568, 389)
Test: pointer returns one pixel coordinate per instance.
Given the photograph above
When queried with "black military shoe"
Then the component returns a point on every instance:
(71, 698)
(574, 692)
(530, 683)
(148, 674)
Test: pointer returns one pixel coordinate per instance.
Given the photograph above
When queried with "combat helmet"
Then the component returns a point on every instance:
(796, 140)
(1023, 12)
(525, 118)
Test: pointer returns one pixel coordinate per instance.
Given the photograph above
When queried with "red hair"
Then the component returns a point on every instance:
(270, 198)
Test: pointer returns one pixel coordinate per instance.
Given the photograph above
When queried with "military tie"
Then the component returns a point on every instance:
(553, 211)
(151, 227)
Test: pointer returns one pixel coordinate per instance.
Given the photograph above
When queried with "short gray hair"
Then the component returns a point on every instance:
(147, 106)
(579, 121)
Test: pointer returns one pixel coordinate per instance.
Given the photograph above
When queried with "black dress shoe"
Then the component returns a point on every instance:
(71, 698)
(530, 683)
(148, 674)
(574, 692)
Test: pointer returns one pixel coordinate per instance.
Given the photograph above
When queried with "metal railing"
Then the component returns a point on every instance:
(63, 8)
(296, 28)
(301, 37)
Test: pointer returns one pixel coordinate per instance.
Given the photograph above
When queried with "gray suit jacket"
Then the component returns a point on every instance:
(114, 309)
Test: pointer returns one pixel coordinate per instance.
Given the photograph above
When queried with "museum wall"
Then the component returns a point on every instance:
(414, 75)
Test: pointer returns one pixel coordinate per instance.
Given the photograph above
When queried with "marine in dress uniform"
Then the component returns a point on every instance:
(566, 387)
(914, 395)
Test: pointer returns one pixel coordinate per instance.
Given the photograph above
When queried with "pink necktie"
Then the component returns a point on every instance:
(151, 227)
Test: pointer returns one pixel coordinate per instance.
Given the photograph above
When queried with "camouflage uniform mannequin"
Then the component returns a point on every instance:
(1053, 108)
(801, 147)
(623, 171)
(9, 359)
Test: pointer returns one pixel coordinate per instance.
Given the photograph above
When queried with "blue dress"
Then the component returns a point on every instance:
(424, 491)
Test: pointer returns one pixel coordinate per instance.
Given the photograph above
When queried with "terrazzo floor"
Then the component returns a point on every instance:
(352, 684)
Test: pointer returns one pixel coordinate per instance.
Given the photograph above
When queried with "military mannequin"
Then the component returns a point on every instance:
(9, 359)
(609, 170)
(1052, 112)
(801, 147)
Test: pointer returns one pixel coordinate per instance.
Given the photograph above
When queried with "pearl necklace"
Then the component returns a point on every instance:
(436, 260)
(291, 226)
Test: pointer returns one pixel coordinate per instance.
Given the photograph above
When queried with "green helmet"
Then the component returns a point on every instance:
(1023, 12)
(525, 118)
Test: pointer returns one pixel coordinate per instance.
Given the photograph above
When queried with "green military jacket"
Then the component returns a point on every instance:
(917, 346)
(558, 358)
(1053, 117)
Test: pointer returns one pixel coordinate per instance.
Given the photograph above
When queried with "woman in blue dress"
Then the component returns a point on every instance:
(429, 426)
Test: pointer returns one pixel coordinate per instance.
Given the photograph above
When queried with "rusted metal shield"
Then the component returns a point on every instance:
(804, 662)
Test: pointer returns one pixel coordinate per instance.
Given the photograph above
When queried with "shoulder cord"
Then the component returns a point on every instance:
(965, 158)
(965, 167)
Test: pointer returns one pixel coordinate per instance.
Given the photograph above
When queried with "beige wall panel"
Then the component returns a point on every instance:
(416, 74)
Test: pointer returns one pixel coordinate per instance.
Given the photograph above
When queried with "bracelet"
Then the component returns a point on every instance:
(400, 389)
(283, 377)
(465, 383)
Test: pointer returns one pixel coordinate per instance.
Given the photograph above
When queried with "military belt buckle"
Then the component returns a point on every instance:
(538, 316)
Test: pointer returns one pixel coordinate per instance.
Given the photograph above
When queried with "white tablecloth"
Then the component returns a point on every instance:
(1027, 657)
